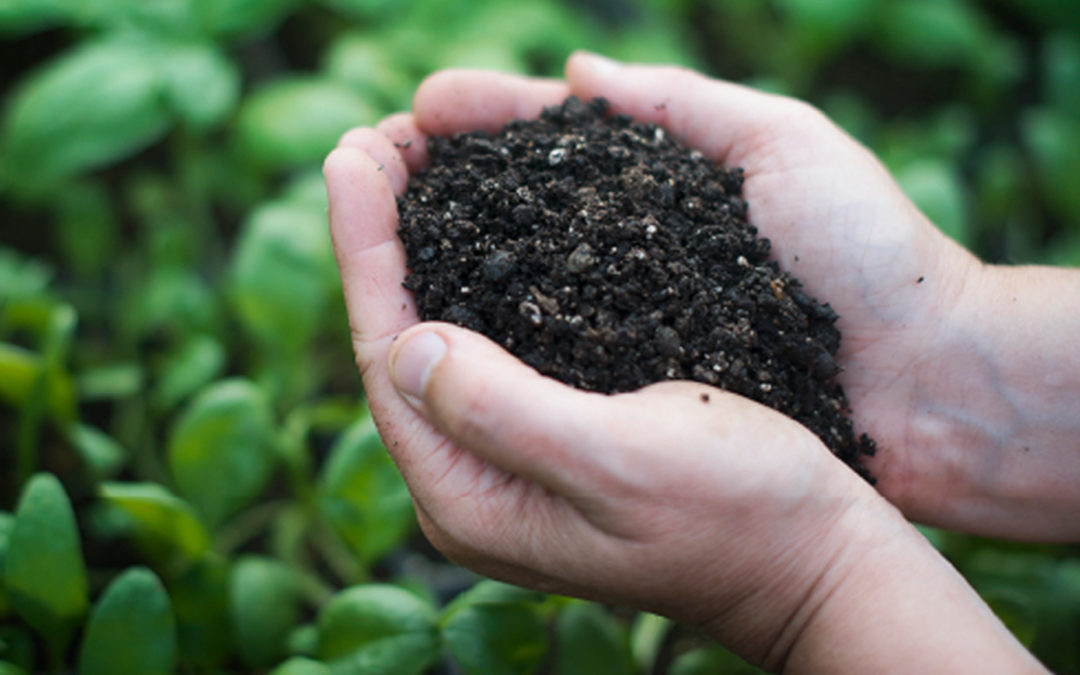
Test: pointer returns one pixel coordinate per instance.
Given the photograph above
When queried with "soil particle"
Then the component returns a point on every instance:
(606, 255)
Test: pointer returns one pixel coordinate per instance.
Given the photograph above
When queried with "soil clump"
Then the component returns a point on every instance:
(606, 255)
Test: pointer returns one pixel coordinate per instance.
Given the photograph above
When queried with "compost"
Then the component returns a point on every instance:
(608, 256)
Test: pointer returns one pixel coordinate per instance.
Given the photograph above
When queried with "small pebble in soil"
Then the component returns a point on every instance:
(606, 255)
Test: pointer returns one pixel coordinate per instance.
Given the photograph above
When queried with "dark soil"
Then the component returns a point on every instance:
(608, 256)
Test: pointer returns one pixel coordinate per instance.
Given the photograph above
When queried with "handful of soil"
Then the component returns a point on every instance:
(604, 254)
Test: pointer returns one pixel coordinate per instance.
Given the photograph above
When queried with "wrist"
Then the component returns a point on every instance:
(888, 602)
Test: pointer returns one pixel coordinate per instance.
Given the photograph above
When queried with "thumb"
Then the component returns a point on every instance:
(494, 406)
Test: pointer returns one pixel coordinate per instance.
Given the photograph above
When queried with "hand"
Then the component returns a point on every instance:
(966, 375)
(717, 511)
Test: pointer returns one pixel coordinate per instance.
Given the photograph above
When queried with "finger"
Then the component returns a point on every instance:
(380, 148)
(401, 129)
(498, 408)
(725, 121)
(371, 259)
(464, 100)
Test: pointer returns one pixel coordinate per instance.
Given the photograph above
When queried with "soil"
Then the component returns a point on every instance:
(605, 255)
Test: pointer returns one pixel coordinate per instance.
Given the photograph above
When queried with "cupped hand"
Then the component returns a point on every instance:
(837, 221)
(678, 498)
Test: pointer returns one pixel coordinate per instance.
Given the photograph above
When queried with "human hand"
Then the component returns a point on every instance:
(716, 511)
(955, 391)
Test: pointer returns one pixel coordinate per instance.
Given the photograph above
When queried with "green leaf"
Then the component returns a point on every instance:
(19, 373)
(93, 105)
(86, 227)
(132, 629)
(17, 16)
(101, 454)
(496, 639)
(298, 121)
(200, 599)
(647, 635)
(710, 660)
(588, 641)
(7, 523)
(936, 189)
(21, 277)
(241, 17)
(362, 494)
(164, 525)
(44, 570)
(379, 625)
(283, 274)
(1053, 139)
(932, 33)
(490, 592)
(363, 62)
(221, 450)
(301, 665)
(201, 84)
(264, 605)
(1061, 59)
(17, 647)
(197, 361)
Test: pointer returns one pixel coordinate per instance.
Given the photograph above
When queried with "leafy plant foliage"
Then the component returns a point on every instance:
(191, 481)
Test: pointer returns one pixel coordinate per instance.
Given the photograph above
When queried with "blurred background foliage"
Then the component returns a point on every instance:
(191, 481)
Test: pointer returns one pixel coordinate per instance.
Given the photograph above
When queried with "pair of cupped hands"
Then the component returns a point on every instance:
(726, 514)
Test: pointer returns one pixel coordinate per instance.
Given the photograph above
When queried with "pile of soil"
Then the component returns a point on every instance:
(606, 255)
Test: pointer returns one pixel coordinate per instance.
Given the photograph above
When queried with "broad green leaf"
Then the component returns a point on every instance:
(301, 665)
(588, 641)
(496, 639)
(17, 16)
(298, 121)
(44, 570)
(22, 277)
(110, 381)
(1053, 139)
(362, 494)
(307, 188)
(408, 654)
(197, 361)
(241, 17)
(936, 189)
(17, 646)
(174, 299)
(366, 64)
(710, 660)
(101, 454)
(200, 600)
(19, 372)
(283, 274)
(390, 624)
(132, 629)
(932, 33)
(1061, 59)
(490, 592)
(264, 605)
(11, 669)
(221, 450)
(201, 84)
(7, 523)
(87, 226)
(164, 524)
(647, 635)
(91, 106)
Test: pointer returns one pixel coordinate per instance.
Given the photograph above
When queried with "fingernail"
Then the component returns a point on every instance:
(601, 65)
(414, 362)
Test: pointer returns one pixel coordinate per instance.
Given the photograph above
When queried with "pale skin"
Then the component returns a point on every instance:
(724, 513)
